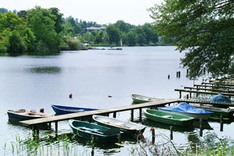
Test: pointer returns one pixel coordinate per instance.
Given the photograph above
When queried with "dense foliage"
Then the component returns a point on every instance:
(204, 28)
(45, 31)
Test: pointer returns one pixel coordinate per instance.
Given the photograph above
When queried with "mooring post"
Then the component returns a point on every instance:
(114, 114)
(221, 122)
(56, 129)
(140, 114)
(171, 132)
(153, 135)
(35, 131)
(190, 94)
(180, 94)
(132, 113)
(187, 96)
(50, 125)
(201, 126)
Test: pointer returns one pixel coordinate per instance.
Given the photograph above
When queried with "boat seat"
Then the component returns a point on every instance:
(183, 119)
(167, 116)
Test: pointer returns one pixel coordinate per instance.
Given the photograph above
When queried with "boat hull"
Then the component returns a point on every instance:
(137, 98)
(58, 109)
(24, 115)
(128, 128)
(168, 118)
(90, 131)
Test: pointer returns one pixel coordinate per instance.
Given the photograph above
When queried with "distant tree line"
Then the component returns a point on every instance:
(40, 30)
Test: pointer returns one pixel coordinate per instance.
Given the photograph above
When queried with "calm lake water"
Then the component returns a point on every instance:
(33, 82)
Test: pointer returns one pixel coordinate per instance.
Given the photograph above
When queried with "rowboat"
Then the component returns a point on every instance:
(217, 112)
(168, 117)
(68, 109)
(188, 110)
(128, 128)
(23, 114)
(91, 131)
(137, 98)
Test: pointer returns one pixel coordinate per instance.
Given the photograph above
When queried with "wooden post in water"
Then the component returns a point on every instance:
(56, 129)
(132, 114)
(171, 132)
(35, 131)
(187, 96)
(201, 126)
(190, 94)
(180, 94)
(114, 114)
(140, 114)
(153, 135)
(221, 122)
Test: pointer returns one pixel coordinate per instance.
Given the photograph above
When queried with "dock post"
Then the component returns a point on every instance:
(171, 132)
(35, 131)
(179, 94)
(201, 126)
(56, 129)
(221, 122)
(50, 125)
(140, 114)
(132, 113)
(187, 96)
(153, 135)
(190, 94)
(114, 114)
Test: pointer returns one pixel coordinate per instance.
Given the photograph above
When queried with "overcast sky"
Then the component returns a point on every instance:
(101, 11)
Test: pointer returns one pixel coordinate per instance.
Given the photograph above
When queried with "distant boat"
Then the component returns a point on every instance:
(23, 114)
(115, 48)
(99, 133)
(168, 117)
(137, 98)
(68, 109)
(188, 110)
(129, 128)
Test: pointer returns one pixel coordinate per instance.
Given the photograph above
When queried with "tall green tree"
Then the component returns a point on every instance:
(42, 23)
(205, 29)
(113, 33)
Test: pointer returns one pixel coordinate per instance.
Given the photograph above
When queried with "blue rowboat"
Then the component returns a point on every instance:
(91, 131)
(188, 110)
(68, 109)
(23, 114)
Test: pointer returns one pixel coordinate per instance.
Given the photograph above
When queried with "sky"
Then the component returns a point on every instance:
(100, 11)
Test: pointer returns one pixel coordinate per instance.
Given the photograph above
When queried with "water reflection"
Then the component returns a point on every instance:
(165, 126)
(48, 70)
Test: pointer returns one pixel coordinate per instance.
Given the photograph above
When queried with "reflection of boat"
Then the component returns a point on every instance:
(159, 125)
(188, 110)
(227, 113)
(126, 127)
(168, 117)
(137, 98)
(68, 109)
(115, 48)
(98, 133)
(23, 114)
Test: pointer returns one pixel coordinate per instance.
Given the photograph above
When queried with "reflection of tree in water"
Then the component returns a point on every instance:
(49, 70)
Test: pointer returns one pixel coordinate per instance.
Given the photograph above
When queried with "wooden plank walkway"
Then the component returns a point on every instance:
(208, 89)
(211, 86)
(201, 92)
(96, 112)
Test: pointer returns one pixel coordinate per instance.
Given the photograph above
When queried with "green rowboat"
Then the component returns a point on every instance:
(168, 118)
(98, 133)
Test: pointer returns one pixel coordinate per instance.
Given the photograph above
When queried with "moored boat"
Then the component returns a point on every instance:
(137, 98)
(129, 128)
(23, 114)
(168, 117)
(188, 110)
(217, 111)
(91, 131)
(59, 109)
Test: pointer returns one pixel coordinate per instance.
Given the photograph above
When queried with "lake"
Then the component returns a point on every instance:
(34, 82)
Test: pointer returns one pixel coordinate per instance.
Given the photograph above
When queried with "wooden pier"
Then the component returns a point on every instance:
(55, 119)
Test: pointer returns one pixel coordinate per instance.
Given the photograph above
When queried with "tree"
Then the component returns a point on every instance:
(205, 29)
(42, 23)
(16, 45)
(113, 33)
(131, 38)
(22, 14)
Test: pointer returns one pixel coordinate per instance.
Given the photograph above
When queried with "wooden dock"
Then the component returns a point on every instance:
(55, 119)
